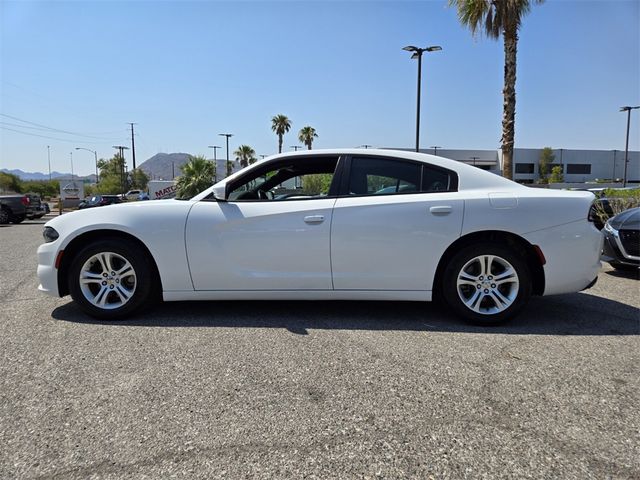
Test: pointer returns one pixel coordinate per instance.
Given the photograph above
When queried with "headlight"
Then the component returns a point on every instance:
(50, 234)
(610, 229)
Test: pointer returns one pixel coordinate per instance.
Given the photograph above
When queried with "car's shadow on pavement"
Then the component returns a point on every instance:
(635, 274)
(572, 314)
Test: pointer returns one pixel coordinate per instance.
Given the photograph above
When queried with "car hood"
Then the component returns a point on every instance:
(124, 214)
(628, 220)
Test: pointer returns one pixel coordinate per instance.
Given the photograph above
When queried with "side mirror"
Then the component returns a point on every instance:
(219, 192)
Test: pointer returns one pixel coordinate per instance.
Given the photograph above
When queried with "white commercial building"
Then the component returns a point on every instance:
(578, 166)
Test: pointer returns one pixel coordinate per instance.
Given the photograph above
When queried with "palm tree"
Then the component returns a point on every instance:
(197, 174)
(245, 155)
(306, 136)
(495, 18)
(281, 125)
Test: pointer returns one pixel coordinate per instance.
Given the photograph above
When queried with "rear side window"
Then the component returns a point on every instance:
(385, 176)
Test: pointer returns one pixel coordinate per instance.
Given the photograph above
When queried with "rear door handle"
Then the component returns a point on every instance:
(314, 219)
(441, 210)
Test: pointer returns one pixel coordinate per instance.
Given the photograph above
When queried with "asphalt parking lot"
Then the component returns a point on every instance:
(315, 390)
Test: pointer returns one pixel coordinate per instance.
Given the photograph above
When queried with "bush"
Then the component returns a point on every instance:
(615, 201)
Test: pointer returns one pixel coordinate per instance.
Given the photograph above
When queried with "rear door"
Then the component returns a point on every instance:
(391, 224)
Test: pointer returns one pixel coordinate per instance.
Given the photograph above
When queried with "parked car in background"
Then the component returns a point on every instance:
(622, 240)
(480, 242)
(36, 208)
(132, 195)
(14, 208)
(99, 201)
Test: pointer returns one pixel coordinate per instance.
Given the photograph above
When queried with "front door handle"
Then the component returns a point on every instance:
(314, 219)
(441, 210)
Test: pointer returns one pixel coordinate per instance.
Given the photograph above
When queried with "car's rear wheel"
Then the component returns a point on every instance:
(18, 218)
(487, 284)
(110, 279)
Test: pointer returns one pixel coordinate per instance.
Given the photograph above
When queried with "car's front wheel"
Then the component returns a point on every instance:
(486, 284)
(110, 279)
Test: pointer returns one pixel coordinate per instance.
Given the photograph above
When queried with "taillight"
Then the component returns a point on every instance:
(25, 201)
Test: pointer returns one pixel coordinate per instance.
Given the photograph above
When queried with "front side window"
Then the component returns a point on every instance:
(296, 179)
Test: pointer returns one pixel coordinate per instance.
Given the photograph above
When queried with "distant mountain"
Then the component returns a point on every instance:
(166, 166)
(37, 176)
(163, 166)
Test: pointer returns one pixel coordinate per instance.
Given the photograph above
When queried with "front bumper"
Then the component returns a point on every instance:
(47, 271)
(613, 250)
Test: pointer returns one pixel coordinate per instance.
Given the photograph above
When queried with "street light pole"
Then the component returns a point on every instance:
(295, 147)
(626, 148)
(95, 156)
(71, 157)
(417, 53)
(49, 159)
(215, 162)
(474, 160)
(435, 149)
(226, 135)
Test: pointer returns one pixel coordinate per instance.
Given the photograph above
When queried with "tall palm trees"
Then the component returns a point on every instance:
(197, 174)
(281, 125)
(245, 155)
(496, 17)
(307, 135)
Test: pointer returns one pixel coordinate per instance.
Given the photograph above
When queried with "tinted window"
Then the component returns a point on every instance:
(383, 176)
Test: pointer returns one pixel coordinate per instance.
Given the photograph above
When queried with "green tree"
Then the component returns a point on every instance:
(44, 188)
(281, 125)
(197, 175)
(316, 183)
(10, 183)
(307, 135)
(112, 176)
(556, 175)
(546, 158)
(245, 155)
(139, 179)
(495, 18)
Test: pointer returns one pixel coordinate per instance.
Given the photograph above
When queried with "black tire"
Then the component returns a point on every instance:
(490, 296)
(622, 267)
(5, 216)
(18, 218)
(120, 294)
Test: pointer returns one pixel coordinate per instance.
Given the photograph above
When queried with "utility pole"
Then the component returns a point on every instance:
(49, 159)
(121, 149)
(133, 146)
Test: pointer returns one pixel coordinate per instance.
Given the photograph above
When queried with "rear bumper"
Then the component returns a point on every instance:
(572, 252)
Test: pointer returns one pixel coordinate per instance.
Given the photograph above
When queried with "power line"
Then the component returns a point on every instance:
(54, 138)
(50, 128)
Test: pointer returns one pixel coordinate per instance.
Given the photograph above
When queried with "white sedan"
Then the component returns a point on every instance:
(331, 225)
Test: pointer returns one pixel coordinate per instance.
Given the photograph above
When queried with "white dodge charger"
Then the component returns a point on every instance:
(331, 225)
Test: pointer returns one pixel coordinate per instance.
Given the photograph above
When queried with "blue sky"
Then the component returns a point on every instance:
(186, 71)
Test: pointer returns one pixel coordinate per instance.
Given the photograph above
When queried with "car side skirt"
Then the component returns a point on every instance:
(396, 295)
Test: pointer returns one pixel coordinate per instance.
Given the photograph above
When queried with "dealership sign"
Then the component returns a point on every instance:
(71, 189)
